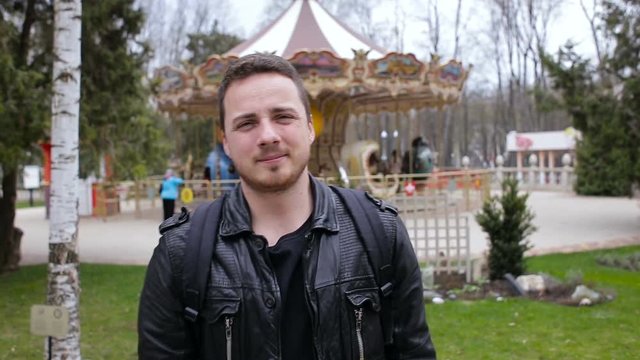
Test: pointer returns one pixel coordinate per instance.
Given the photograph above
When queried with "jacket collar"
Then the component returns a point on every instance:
(236, 217)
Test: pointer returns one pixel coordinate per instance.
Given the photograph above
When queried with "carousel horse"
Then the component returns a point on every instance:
(360, 159)
(422, 158)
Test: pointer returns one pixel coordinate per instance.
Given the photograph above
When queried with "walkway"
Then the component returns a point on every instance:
(565, 223)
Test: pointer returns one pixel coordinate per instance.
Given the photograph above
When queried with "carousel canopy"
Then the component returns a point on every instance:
(335, 63)
(306, 25)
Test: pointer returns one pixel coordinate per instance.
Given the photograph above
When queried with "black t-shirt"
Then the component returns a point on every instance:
(295, 328)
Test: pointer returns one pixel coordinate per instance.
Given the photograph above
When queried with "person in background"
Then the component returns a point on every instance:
(395, 166)
(169, 192)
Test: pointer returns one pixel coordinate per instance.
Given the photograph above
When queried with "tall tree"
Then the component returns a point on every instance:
(603, 103)
(272, 11)
(168, 22)
(64, 280)
(430, 15)
(24, 102)
(449, 145)
(202, 45)
(116, 118)
(358, 14)
(596, 26)
(116, 121)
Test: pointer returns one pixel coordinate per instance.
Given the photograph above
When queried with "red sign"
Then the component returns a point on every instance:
(523, 142)
(409, 187)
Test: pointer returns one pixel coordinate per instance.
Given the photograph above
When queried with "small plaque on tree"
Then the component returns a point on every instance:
(49, 320)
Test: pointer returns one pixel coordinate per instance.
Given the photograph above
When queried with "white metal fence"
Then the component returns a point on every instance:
(439, 232)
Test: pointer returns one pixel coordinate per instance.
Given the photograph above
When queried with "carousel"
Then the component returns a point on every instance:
(368, 104)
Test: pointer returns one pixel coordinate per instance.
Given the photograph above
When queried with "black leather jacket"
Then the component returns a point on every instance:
(242, 308)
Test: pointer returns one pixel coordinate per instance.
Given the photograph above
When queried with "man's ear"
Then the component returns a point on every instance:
(225, 145)
(312, 131)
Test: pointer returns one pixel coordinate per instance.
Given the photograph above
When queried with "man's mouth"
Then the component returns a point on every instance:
(271, 158)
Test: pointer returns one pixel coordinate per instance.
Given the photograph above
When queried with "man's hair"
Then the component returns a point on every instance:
(260, 63)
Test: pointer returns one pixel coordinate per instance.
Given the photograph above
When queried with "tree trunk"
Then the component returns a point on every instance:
(9, 235)
(64, 282)
(446, 141)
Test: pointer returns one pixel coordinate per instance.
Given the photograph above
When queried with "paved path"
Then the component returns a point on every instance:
(568, 223)
(565, 223)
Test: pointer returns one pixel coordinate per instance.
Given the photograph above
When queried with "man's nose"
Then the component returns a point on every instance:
(268, 133)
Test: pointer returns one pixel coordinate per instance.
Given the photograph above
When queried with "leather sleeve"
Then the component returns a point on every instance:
(161, 325)
(411, 338)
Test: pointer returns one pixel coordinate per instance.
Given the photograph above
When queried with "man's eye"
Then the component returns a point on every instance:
(284, 117)
(244, 125)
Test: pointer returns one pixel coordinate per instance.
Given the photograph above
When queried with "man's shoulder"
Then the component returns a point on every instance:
(174, 233)
(382, 205)
(176, 225)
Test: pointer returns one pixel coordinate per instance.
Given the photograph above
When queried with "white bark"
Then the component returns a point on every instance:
(64, 286)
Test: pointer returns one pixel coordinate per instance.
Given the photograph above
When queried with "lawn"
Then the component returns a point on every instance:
(108, 311)
(515, 329)
(524, 329)
(25, 204)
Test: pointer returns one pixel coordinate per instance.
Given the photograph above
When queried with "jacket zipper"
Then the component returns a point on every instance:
(305, 269)
(358, 313)
(228, 323)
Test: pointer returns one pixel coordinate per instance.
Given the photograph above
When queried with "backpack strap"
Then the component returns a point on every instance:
(198, 254)
(364, 210)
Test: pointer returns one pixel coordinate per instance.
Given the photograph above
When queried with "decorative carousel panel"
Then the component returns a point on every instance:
(173, 80)
(405, 66)
(322, 64)
(451, 73)
(359, 69)
(211, 72)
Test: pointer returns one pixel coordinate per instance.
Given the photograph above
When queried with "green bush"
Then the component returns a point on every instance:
(508, 222)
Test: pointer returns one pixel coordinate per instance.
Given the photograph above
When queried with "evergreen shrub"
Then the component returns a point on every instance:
(508, 222)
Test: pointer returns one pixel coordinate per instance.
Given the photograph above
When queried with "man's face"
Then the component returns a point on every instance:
(267, 133)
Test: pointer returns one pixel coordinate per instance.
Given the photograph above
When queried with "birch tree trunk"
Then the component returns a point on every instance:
(64, 282)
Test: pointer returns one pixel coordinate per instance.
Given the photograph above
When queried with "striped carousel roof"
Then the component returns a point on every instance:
(306, 25)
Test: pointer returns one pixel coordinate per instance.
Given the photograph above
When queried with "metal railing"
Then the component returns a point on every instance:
(435, 207)
(439, 232)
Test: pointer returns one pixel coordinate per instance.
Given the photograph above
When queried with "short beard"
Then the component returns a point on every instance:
(277, 185)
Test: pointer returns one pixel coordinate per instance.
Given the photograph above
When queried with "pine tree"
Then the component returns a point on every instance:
(603, 102)
(508, 222)
(216, 41)
(116, 120)
(115, 116)
(24, 106)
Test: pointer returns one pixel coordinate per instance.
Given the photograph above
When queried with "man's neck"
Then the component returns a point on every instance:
(279, 213)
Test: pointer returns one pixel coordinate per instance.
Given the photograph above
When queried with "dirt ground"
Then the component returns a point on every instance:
(454, 287)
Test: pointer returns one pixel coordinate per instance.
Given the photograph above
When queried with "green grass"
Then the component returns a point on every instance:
(108, 311)
(524, 329)
(25, 204)
(515, 329)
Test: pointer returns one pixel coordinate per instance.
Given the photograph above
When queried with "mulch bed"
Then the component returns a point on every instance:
(454, 287)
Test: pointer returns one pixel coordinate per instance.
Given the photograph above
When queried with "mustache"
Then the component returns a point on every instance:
(271, 151)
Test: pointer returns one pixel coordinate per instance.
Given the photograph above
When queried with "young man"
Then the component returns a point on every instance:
(290, 278)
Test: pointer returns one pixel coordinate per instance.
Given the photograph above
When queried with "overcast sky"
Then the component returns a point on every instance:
(243, 17)
(569, 24)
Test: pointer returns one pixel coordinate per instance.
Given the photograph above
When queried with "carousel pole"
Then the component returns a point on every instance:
(396, 126)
